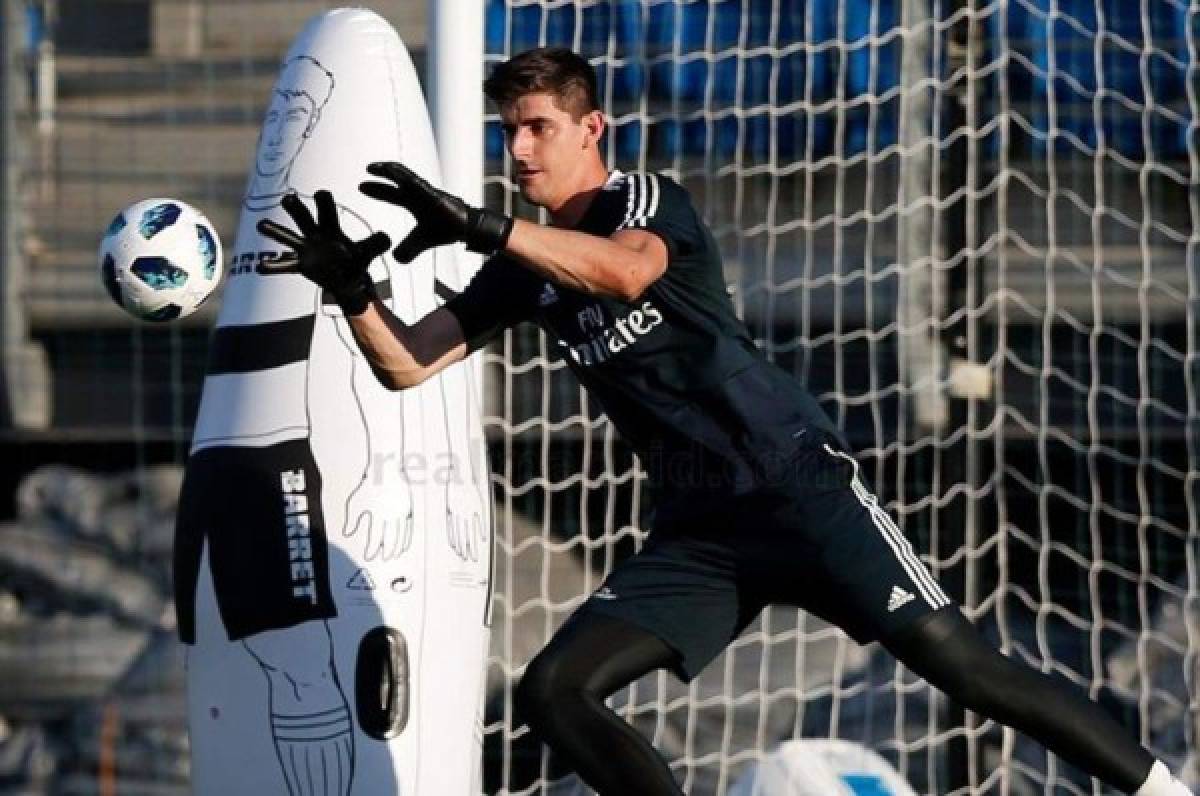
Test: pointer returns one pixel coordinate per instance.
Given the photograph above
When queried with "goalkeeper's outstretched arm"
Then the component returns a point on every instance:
(622, 265)
(403, 356)
(400, 355)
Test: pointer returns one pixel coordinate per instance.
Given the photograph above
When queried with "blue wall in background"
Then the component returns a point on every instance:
(827, 79)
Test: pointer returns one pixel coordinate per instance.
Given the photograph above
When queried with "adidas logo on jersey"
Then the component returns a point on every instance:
(605, 593)
(549, 295)
(899, 598)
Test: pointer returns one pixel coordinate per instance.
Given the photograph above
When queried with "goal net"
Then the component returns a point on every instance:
(971, 228)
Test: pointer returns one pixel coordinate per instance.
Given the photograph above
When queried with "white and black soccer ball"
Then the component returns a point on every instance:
(160, 259)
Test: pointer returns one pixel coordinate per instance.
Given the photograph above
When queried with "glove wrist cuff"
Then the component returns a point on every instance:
(354, 299)
(489, 232)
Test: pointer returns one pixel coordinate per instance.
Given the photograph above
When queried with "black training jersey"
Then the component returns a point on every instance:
(675, 370)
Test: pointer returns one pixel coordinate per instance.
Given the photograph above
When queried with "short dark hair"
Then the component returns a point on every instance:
(557, 71)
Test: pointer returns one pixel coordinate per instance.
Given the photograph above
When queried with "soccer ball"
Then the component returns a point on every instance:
(160, 259)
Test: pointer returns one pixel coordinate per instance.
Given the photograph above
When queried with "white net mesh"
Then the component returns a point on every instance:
(972, 229)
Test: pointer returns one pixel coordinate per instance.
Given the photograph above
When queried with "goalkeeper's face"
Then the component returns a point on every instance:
(555, 156)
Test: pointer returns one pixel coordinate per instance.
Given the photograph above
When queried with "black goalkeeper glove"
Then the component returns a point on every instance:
(441, 217)
(323, 253)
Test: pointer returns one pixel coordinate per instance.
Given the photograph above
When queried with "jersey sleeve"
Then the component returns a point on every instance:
(498, 297)
(660, 205)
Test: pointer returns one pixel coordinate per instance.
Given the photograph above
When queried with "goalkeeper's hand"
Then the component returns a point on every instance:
(323, 253)
(441, 217)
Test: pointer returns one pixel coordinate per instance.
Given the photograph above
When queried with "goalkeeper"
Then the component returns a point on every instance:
(760, 501)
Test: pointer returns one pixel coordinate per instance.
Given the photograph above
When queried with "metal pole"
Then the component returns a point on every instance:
(922, 299)
(24, 380)
(926, 237)
(47, 71)
(455, 78)
(964, 277)
(959, 461)
(10, 92)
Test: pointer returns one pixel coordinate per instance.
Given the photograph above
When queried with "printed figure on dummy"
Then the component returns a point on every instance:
(235, 452)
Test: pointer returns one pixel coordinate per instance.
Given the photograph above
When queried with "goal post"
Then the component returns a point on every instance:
(454, 88)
